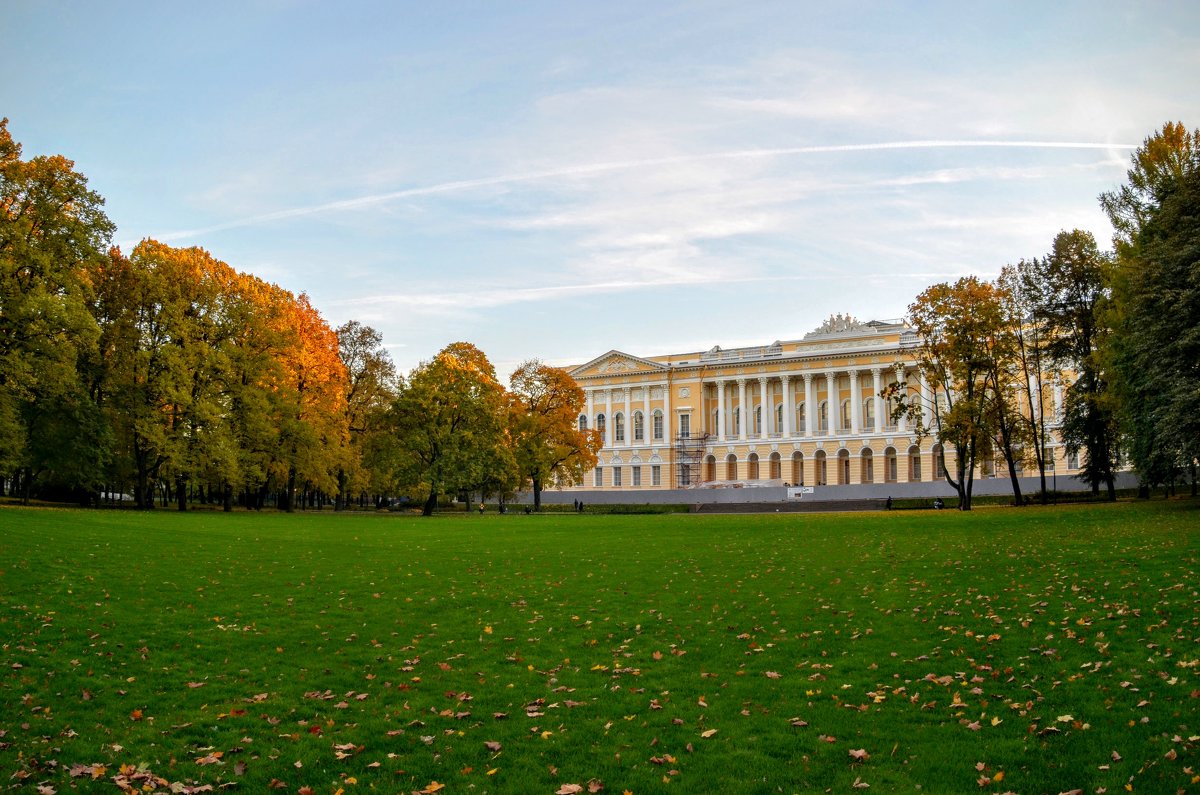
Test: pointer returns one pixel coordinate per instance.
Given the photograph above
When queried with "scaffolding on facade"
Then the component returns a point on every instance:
(689, 460)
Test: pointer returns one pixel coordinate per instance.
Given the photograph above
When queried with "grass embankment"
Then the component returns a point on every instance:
(1032, 650)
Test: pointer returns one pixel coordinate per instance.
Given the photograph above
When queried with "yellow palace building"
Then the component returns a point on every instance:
(799, 413)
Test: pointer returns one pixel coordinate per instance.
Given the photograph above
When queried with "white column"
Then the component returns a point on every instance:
(810, 406)
(628, 417)
(877, 382)
(788, 408)
(647, 420)
(608, 418)
(721, 409)
(668, 437)
(855, 404)
(591, 410)
(764, 407)
(832, 400)
(902, 380)
(926, 401)
(742, 408)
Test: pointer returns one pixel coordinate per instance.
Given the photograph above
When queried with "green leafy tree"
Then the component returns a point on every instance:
(447, 424)
(1073, 286)
(1155, 309)
(549, 447)
(370, 388)
(51, 227)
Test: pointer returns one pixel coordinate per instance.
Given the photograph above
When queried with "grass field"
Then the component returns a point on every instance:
(1034, 650)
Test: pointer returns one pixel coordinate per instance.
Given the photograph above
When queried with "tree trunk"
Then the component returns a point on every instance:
(537, 494)
(1016, 484)
(430, 503)
(181, 491)
(339, 503)
(227, 498)
(289, 499)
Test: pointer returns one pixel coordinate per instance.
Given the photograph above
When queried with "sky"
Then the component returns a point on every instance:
(554, 180)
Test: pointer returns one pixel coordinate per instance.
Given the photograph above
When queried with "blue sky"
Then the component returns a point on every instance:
(555, 179)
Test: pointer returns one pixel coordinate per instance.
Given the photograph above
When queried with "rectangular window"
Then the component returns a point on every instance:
(616, 476)
(637, 476)
(685, 425)
(658, 429)
(599, 477)
(939, 471)
(656, 475)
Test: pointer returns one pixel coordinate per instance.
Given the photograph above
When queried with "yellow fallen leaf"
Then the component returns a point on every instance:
(708, 733)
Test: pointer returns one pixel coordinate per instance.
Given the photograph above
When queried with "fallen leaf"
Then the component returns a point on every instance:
(859, 754)
(708, 733)
(568, 789)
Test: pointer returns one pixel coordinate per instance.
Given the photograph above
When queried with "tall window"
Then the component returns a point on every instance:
(600, 423)
(639, 427)
(619, 427)
(824, 416)
(731, 467)
(939, 465)
(779, 418)
(637, 476)
(658, 424)
(845, 415)
(758, 428)
(737, 421)
(685, 425)
(801, 418)
(583, 422)
(655, 475)
(599, 476)
(616, 476)
(869, 414)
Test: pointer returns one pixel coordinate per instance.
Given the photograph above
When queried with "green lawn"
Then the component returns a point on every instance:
(1033, 650)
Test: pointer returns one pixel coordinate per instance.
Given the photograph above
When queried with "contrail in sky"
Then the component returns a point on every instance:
(600, 168)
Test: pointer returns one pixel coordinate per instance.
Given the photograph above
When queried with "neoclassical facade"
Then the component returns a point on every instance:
(800, 412)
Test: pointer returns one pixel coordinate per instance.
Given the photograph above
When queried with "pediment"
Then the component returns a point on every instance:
(616, 363)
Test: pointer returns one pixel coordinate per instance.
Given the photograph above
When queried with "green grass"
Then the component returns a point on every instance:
(1033, 642)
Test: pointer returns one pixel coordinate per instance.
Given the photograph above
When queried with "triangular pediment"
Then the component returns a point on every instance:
(616, 363)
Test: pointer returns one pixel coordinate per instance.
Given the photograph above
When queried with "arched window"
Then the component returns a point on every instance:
(845, 426)
(824, 418)
(779, 419)
(797, 468)
(716, 421)
(639, 427)
(869, 414)
(583, 422)
(619, 427)
(752, 467)
(758, 428)
(914, 464)
(710, 468)
(889, 465)
(801, 419)
(822, 470)
(600, 425)
(843, 467)
(658, 424)
(731, 467)
(775, 467)
(939, 464)
(867, 461)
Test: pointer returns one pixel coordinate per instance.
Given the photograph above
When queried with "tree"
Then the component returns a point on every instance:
(370, 388)
(1023, 307)
(447, 424)
(1154, 352)
(960, 326)
(51, 226)
(549, 447)
(1072, 285)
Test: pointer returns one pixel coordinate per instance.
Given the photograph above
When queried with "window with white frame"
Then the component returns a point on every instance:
(619, 427)
(637, 476)
(599, 476)
(583, 422)
(656, 475)
(658, 424)
(639, 427)
(616, 476)
(685, 425)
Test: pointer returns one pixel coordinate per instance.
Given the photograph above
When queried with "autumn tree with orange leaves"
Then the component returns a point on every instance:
(550, 448)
